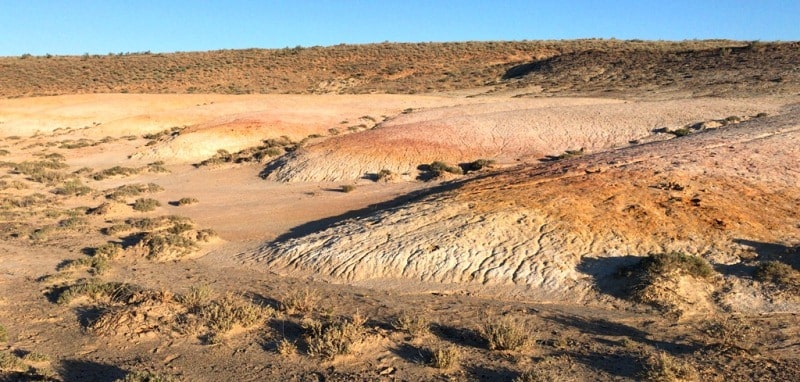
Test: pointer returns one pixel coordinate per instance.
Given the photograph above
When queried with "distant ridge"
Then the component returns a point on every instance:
(573, 66)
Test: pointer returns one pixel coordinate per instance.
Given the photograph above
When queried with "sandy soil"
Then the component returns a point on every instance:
(537, 243)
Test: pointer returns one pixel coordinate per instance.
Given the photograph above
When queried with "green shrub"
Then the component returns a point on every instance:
(348, 188)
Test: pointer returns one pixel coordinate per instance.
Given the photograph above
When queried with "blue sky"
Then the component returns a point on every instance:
(102, 26)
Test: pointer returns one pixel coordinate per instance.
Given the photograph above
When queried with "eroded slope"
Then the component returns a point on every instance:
(552, 229)
(506, 130)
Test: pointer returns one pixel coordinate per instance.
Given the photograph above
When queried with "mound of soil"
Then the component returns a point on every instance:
(508, 131)
(553, 229)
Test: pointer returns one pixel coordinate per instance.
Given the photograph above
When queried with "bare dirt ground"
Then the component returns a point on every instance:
(207, 237)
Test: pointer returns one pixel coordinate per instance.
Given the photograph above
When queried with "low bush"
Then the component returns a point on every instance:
(198, 297)
(783, 276)
(336, 337)
(654, 279)
(73, 187)
(670, 263)
(156, 167)
(286, 347)
(439, 167)
(729, 333)
(121, 193)
(97, 291)
(662, 367)
(145, 204)
(115, 171)
(505, 334)
(300, 301)
(186, 201)
(384, 175)
(146, 376)
(478, 165)
(416, 325)
(444, 357)
(222, 315)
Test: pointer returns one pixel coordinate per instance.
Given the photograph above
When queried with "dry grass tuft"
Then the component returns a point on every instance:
(506, 334)
(146, 376)
(443, 357)
(729, 333)
(300, 301)
(416, 325)
(9, 362)
(286, 347)
(662, 367)
(335, 337)
(198, 297)
(220, 316)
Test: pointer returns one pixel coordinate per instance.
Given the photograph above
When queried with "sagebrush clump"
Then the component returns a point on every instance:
(505, 334)
(335, 337)
(145, 204)
(781, 275)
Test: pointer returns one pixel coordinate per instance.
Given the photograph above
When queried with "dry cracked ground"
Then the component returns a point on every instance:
(494, 233)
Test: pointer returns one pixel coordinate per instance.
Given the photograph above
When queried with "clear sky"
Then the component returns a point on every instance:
(39, 27)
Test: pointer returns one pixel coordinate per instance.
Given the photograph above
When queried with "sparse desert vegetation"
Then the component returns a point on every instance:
(539, 210)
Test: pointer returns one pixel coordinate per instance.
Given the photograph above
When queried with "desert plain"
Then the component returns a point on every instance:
(594, 210)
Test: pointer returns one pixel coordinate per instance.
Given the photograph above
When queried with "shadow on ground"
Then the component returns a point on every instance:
(604, 273)
(322, 224)
(80, 370)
